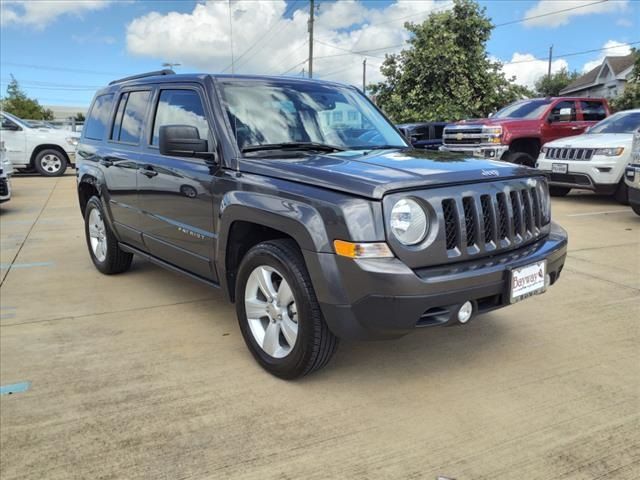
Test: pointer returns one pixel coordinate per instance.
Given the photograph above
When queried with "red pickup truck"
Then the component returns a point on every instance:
(517, 132)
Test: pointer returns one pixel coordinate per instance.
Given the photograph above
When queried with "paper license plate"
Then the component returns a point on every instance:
(559, 167)
(527, 281)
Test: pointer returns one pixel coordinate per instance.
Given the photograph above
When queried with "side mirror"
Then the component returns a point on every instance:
(10, 126)
(183, 141)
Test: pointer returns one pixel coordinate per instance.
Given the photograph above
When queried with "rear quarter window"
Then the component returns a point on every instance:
(95, 127)
(592, 111)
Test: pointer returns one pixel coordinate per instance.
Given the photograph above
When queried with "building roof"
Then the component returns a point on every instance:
(617, 65)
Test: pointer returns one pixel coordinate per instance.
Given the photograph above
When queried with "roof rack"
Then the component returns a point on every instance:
(166, 71)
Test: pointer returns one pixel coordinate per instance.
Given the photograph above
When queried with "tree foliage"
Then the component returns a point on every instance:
(446, 73)
(19, 104)
(630, 98)
(550, 86)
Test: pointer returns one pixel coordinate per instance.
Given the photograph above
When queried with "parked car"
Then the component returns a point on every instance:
(593, 161)
(517, 132)
(5, 163)
(423, 135)
(315, 233)
(47, 151)
(632, 174)
(5, 182)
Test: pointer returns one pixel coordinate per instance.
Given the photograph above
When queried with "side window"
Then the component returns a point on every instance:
(592, 111)
(98, 118)
(130, 117)
(180, 107)
(563, 112)
(8, 124)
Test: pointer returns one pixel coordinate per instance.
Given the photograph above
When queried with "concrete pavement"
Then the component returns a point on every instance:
(145, 374)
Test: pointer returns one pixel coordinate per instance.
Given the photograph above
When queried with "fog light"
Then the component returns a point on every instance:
(465, 312)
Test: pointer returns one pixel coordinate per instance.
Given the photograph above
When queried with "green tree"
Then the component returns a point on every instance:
(630, 98)
(550, 86)
(79, 117)
(445, 73)
(19, 104)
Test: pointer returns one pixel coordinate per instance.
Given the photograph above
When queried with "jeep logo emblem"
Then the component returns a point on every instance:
(490, 173)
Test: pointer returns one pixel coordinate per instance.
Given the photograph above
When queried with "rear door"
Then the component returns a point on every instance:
(15, 141)
(591, 111)
(121, 161)
(176, 192)
(562, 121)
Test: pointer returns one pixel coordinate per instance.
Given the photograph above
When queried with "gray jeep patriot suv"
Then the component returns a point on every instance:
(308, 208)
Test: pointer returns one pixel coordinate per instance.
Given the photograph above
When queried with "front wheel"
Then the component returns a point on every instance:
(103, 245)
(520, 158)
(50, 163)
(622, 193)
(636, 208)
(279, 315)
(559, 191)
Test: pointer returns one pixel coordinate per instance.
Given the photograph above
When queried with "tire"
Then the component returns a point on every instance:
(559, 191)
(314, 343)
(636, 208)
(50, 163)
(109, 259)
(622, 193)
(520, 158)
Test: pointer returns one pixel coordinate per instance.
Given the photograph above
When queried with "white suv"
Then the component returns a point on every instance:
(593, 161)
(48, 151)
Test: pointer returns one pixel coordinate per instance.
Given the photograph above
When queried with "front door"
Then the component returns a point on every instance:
(562, 121)
(176, 193)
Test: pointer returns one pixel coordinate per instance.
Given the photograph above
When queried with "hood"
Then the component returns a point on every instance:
(377, 173)
(504, 122)
(594, 140)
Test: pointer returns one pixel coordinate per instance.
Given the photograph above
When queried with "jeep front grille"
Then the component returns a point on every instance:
(569, 153)
(481, 223)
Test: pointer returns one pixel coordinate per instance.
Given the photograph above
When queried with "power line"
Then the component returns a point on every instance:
(572, 54)
(61, 69)
(555, 12)
(296, 65)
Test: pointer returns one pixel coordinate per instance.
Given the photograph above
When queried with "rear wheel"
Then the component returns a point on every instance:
(559, 191)
(622, 193)
(278, 313)
(636, 208)
(103, 245)
(50, 163)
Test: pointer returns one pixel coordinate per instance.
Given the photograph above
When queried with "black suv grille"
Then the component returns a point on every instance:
(498, 219)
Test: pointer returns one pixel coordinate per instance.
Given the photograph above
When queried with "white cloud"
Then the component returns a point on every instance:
(201, 38)
(613, 49)
(572, 8)
(43, 12)
(624, 22)
(527, 69)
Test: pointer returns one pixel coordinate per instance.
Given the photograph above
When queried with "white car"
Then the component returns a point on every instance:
(5, 183)
(595, 160)
(45, 150)
(5, 163)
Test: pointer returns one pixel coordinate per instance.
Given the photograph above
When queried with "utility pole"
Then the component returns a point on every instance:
(364, 75)
(310, 28)
(550, 58)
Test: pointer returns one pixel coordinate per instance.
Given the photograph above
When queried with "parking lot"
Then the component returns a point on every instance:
(145, 374)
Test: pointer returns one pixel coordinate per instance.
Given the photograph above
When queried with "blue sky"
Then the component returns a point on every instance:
(61, 51)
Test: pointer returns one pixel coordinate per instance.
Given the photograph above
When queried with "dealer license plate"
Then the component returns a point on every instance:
(559, 168)
(527, 281)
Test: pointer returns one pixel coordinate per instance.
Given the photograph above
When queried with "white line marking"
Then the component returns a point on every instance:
(598, 213)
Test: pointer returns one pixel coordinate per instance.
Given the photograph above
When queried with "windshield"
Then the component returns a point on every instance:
(527, 109)
(622, 122)
(281, 112)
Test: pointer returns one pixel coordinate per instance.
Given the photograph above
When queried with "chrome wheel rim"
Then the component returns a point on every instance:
(97, 235)
(271, 311)
(51, 163)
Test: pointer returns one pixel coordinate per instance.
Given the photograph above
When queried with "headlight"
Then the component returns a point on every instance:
(408, 221)
(72, 140)
(494, 134)
(543, 150)
(545, 201)
(609, 152)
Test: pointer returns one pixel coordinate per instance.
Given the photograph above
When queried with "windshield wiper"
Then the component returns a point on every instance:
(322, 147)
(377, 147)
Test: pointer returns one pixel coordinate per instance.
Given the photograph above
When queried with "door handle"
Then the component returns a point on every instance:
(148, 171)
(106, 162)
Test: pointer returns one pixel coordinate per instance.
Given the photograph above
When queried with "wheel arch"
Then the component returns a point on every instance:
(528, 145)
(47, 146)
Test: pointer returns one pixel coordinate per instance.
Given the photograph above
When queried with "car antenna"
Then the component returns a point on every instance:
(233, 71)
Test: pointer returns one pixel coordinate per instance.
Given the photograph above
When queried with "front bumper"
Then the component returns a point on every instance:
(383, 298)
(5, 189)
(483, 151)
(632, 179)
(600, 175)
